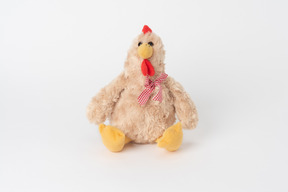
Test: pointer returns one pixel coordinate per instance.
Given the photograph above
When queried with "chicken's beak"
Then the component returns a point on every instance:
(145, 51)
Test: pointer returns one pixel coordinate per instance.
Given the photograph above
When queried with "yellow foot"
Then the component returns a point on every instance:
(114, 139)
(172, 138)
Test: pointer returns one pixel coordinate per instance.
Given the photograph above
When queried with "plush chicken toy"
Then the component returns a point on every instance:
(142, 101)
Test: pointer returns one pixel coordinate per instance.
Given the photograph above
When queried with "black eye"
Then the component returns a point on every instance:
(151, 43)
(140, 43)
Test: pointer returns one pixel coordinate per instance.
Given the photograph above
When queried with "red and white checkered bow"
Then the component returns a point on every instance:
(149, 88)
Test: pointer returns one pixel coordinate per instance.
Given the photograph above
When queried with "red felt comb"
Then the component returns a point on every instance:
(146, 29)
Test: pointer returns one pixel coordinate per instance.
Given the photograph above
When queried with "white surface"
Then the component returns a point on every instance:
(231, 56)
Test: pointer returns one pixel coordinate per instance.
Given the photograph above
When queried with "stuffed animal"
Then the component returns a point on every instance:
(142, 101)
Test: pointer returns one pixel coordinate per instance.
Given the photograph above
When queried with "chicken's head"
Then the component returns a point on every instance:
(146, 55)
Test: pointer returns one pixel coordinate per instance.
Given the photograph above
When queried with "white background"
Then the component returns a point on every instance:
(231, 56)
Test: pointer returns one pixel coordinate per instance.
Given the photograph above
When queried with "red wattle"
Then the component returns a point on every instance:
(147, 68)
(144, 68)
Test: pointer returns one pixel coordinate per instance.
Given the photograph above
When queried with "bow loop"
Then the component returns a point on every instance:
(149, 88)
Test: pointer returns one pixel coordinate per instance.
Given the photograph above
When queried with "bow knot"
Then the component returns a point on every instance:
(149, 88)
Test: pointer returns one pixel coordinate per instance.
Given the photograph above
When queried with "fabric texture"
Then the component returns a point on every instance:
(113, 139)
(172, 138)
(147, 68)
(146, 29)
(150, 87)
(119, 100)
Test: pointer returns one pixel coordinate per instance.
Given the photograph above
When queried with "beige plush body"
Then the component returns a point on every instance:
(118, 100)
(143, 124)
